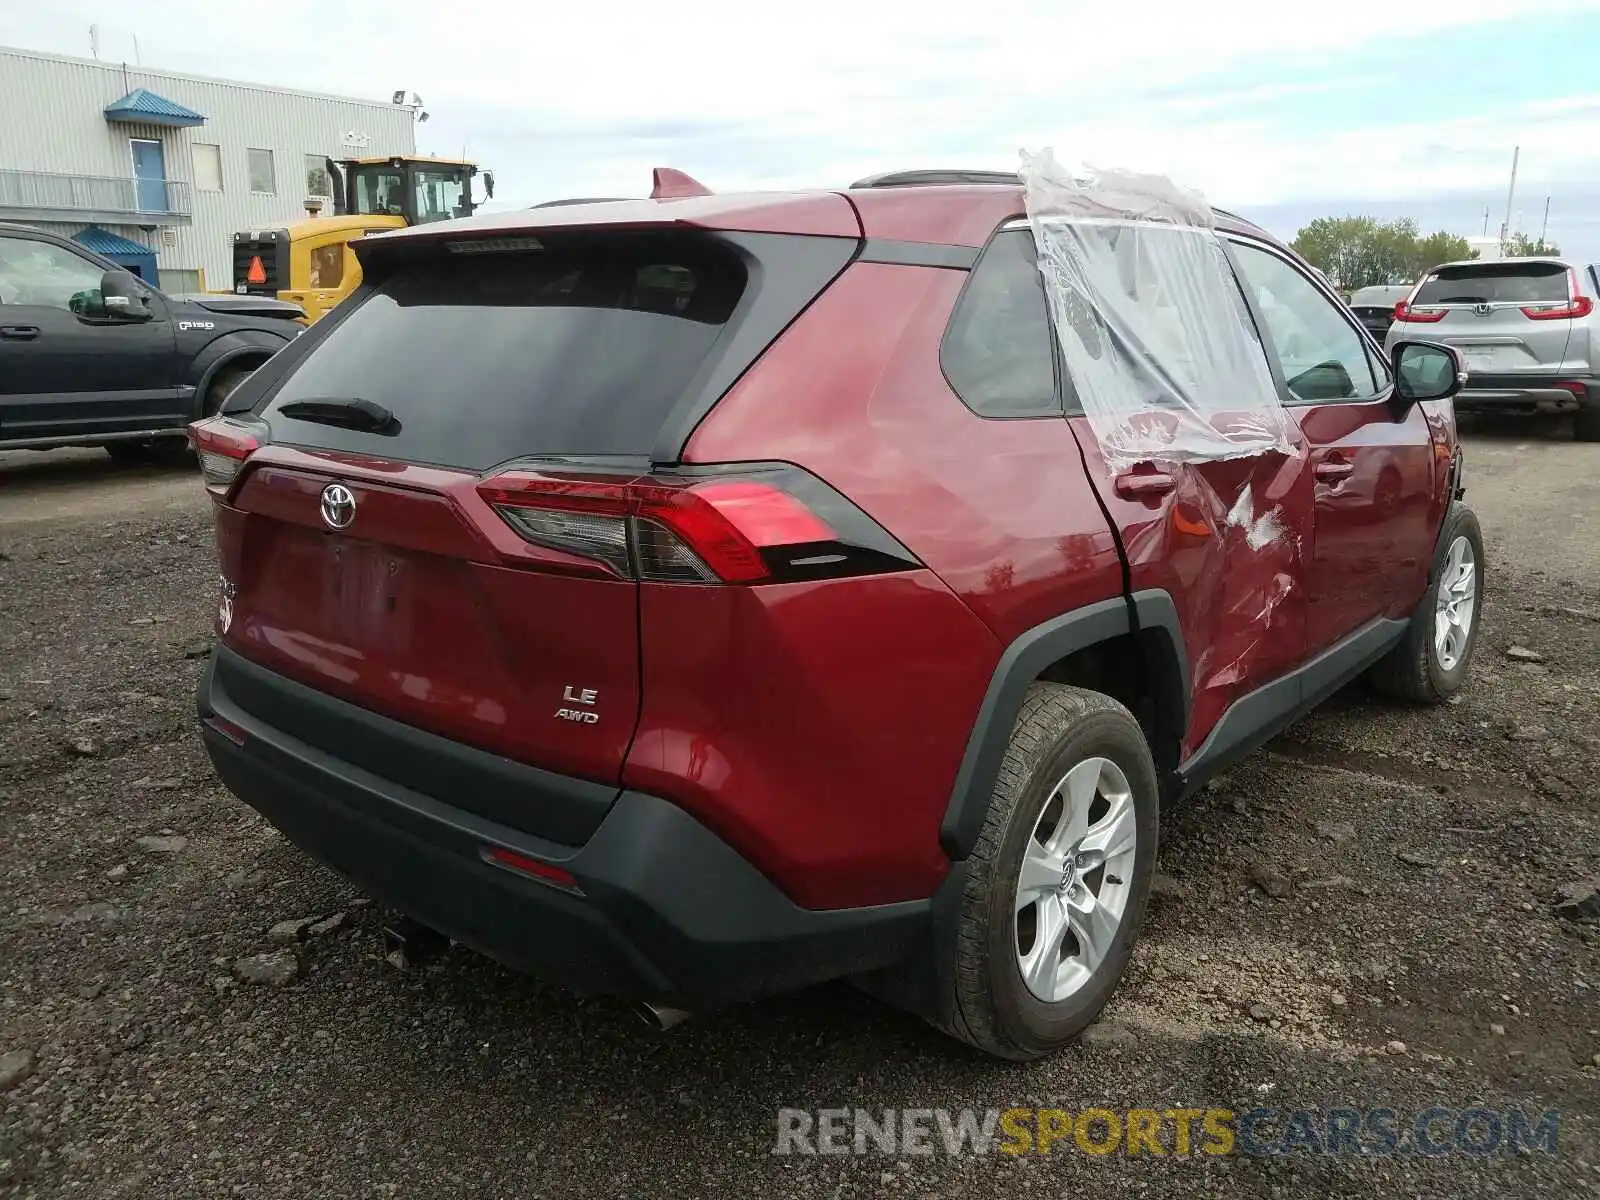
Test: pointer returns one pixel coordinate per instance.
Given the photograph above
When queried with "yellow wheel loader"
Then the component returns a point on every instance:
(310, 262)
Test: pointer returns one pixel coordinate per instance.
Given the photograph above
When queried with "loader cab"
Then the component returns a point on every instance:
(419, 191)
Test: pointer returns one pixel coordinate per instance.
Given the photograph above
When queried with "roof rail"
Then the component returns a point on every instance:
(935, 177)
(579, 200)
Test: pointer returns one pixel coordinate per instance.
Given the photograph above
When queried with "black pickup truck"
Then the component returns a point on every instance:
(92, 356)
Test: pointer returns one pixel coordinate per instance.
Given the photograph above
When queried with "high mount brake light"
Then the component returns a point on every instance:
(1576, 304)
(222, 444)
(1425, 316)
(766, 525)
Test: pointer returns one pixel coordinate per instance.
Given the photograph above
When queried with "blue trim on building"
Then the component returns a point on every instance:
(135, 256)
(142, 106)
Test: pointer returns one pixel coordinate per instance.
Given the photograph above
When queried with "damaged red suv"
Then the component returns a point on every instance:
(699, 597)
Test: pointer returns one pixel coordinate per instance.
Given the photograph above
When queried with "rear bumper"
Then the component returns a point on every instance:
(664, 910)
(1512, 393)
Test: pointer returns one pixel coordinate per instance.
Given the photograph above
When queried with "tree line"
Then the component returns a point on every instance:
(1358, 252)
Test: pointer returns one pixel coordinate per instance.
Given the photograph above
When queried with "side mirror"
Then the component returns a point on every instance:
(87, 303)
(1427, 371)
(122, 297)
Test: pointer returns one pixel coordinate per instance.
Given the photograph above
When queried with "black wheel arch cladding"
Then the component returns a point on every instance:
(1147, 611)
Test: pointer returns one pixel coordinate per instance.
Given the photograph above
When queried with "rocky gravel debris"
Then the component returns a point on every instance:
(15, 1066)
(1337, 832)
(1579, 901)
(156, 1041)
(288, 932)
(274, 969)
(1272, 880)
(1108, 1035)
(163, 843)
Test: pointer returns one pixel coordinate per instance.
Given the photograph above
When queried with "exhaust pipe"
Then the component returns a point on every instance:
(659, 1017)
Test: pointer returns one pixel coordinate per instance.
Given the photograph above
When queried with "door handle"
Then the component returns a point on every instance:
(19, 333)
(1143, 485)
(1333, 470)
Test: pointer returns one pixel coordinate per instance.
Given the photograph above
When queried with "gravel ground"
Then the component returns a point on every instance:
(1363, 914)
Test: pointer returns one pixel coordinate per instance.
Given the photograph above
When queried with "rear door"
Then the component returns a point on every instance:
(1375, 507)
(1224, 537)
(1511, 317)
(383, 563)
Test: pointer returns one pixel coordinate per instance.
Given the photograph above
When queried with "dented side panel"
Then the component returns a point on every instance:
(1228, 543)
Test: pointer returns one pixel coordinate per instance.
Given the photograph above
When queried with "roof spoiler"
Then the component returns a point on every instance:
(668, 184)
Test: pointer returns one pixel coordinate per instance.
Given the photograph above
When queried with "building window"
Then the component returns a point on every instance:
(207, 167)
(317, 182)
(261, 177)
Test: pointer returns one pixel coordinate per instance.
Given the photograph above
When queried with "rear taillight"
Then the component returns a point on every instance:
(1426, 316)
(1576, 305)
(746, 524)
(222, 444)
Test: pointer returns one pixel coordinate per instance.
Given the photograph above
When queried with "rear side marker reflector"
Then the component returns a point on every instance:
(228, 730)
(737, 525)
(522, 864)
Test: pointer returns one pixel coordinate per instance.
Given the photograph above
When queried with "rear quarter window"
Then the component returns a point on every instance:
(482, 357)
(997, 353)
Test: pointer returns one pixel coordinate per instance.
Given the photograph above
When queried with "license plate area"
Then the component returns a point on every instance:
(1492, 358)
(365, 593)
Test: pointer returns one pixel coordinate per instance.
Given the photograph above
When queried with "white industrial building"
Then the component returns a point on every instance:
(133, 162)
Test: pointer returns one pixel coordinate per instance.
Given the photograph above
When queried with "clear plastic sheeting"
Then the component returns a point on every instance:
(1154, 333)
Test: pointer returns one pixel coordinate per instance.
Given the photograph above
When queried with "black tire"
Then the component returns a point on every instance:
(222, 387)
(1413, 670)
(130, 453)
(176, 451)
(1586, 421)
(992, 1007)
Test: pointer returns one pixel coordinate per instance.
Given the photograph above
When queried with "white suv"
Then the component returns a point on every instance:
(1526, 327)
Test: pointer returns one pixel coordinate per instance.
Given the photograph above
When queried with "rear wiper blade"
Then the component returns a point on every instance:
(347, 412)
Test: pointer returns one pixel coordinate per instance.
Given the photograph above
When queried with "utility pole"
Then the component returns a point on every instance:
(1511, 194)
(1485, 220)
(1544, 226)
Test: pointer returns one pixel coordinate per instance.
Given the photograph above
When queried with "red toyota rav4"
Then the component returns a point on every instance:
(699, 597)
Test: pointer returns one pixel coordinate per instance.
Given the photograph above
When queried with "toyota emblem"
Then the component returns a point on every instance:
(338, 505)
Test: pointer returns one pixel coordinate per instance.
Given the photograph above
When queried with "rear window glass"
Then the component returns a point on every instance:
(482, 357)
(1492, 283)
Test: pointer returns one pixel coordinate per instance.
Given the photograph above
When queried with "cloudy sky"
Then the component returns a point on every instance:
(1394, 107)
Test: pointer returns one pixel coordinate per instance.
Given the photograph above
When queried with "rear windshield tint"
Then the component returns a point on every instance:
(1492, 283)
(582, 349)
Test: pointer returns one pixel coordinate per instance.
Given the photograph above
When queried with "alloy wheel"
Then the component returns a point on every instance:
(1456, 604)
(1075, 879)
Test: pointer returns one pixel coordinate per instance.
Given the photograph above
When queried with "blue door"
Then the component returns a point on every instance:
(149, 176)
